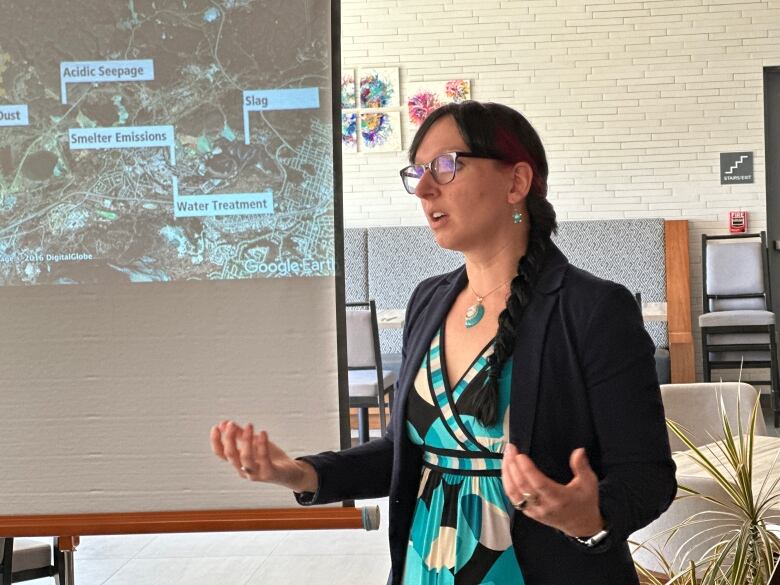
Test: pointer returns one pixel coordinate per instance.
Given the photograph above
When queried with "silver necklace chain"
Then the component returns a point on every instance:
(481, 297)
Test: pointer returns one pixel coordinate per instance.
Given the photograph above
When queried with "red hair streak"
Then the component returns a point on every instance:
(513, 151)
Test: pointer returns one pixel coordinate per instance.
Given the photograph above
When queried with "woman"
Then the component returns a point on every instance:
(529, 438)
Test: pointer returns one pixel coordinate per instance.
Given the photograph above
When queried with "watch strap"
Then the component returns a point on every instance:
(591, 541)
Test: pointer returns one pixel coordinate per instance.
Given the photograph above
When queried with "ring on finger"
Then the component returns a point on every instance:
(246, 469)
(529, 499)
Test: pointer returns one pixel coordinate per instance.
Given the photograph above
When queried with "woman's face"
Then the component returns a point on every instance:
(473, 213)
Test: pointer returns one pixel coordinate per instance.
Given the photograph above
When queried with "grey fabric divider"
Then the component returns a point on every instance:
(399, 258)
(627, 251)
(356, 264)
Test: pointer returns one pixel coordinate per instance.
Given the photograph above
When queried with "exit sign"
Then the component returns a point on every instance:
(736, 167)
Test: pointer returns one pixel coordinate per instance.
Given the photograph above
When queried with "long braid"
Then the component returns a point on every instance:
(543, 224)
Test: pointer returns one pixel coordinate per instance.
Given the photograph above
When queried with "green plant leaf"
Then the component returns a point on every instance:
(738, 532)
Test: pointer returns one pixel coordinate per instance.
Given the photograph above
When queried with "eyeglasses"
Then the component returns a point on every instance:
(442, 169)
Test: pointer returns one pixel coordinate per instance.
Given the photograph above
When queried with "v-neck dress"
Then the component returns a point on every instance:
(461, 532)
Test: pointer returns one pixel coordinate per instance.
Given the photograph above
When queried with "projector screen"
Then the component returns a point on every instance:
(162, 141)
(168, 238)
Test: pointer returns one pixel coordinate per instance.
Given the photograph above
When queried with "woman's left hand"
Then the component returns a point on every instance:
(572, 508)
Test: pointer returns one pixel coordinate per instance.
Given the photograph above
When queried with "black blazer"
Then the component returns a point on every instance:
(583, 376)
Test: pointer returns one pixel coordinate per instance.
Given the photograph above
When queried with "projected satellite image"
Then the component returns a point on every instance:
(162, 140)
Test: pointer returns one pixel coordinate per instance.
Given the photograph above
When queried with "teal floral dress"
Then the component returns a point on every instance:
(461, 532)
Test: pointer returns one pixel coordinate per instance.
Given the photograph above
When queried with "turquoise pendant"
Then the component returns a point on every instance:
(474, 314)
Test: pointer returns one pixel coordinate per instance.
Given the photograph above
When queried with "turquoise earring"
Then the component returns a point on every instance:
(517, 217)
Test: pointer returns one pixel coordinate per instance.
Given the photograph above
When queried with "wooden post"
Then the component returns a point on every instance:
(678, 302)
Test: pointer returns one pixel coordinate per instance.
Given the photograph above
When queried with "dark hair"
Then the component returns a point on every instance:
(498, 131)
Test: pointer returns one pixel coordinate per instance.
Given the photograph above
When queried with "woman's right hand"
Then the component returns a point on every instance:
(258, 459)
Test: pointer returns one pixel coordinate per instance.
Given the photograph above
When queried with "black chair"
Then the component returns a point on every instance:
(24, 559)
(737, 323)
(368, 381)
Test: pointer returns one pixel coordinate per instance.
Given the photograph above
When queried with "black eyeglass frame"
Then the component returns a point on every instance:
(455, 155)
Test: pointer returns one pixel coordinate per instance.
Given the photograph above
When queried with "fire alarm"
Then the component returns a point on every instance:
(738, 221)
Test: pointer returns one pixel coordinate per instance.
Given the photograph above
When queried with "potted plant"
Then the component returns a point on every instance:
(743, 543)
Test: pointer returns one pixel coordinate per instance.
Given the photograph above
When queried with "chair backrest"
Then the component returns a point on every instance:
(735, 272)
(695, 407)
(362, 336)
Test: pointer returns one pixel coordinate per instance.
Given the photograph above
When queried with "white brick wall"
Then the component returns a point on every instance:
(634, 100)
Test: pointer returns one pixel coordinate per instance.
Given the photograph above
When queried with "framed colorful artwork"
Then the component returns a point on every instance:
(425, 97)
(349, 122)
(379, 88)
(380, 131)
(348, 95)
